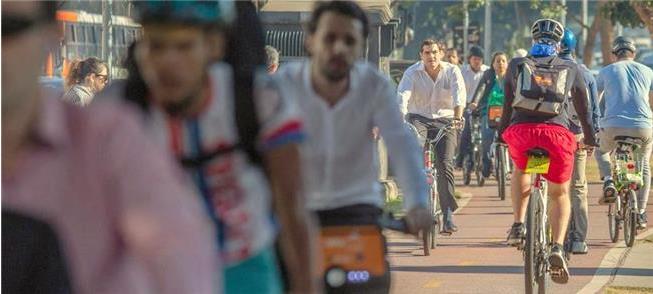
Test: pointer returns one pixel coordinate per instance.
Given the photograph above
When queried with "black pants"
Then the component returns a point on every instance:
(445, 151)
(360, 214)
(465, 146)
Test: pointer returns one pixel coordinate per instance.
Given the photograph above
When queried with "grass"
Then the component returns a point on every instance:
(627, 290)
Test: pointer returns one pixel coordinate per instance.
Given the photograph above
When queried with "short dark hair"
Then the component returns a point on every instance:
(348, 8)
(624, 53)
(429, 42)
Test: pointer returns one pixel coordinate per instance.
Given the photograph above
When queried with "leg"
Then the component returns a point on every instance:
(579, 197)
(464, 148)
(643, 194)
(520, 187)
(560, 210)
(444, 153)
(486, 148)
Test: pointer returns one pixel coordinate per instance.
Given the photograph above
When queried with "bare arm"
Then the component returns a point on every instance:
(650, 99)
(298, 229)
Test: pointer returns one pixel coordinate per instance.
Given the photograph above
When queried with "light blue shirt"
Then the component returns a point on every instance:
(625, 86)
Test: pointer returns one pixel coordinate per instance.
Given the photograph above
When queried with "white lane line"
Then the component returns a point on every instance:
(609, 265)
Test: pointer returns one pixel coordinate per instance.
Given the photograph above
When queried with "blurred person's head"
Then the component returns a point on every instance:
(431, 52)
(475, 58)
(29, 32)
(521, 52)
(272, 59)
(623, 48)
(91, 72)
(500, 63)
(452, 56)
(337, 32)
(179, 42)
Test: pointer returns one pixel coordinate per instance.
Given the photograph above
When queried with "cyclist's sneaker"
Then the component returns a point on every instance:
(642, 221)
(579, 247)
(516, 234)
(609, 192)
(449, 228)
(558, 262)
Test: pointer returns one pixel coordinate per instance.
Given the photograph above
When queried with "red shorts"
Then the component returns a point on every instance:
(558, 141)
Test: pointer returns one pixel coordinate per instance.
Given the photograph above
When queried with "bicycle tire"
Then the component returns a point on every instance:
(630, 219)
(613, 222)
(500, 172)
(467, 172)
(529, 246)
(427, 235)
(435, 229)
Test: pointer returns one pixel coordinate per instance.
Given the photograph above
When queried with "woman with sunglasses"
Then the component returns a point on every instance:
(86, 78)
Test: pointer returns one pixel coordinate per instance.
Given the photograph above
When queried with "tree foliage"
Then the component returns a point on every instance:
(623, 12)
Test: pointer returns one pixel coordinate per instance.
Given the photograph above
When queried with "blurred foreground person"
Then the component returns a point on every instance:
(272, 59)
(88, 172)
(86, 78)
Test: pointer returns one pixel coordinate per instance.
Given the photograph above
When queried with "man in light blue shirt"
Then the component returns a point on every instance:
(627, 88)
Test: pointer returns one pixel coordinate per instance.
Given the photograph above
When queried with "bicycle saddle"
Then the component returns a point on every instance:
(635, 141)
(537, 152)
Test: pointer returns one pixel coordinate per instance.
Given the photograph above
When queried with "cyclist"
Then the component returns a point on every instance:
(625, 86)
(434, 91)
(544, 124)
(472, 73)
(490, 95)
(578, 224)
(342, 101)
(193, 107)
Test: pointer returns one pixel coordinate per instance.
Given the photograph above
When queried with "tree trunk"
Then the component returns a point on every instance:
(645, 13)
(606, 31)
(588, 50)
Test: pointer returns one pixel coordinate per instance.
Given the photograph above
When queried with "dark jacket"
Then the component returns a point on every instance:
(484, 89)
(578, 98)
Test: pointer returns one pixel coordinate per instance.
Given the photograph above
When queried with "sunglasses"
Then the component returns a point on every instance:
(13, 25)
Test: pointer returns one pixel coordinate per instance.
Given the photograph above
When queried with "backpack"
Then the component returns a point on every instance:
(542, 87)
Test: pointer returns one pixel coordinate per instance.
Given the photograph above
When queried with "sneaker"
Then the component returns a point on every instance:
(642, 221)
(558, 263)
(449, 228)
(579, 247)
(516, 234)
(609, 192)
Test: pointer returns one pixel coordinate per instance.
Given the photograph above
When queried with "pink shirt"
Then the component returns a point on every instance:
(125, 220)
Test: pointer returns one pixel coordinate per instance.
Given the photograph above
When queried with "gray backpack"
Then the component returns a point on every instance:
(543, 88)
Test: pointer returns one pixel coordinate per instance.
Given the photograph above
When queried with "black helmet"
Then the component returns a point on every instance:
(475, 51)
(547, 30)
(623, 43)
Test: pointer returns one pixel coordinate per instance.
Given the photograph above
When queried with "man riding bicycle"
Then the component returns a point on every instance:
(342, 99)
(538, 89)
(578, 226)
(433, 92)
(625, 86)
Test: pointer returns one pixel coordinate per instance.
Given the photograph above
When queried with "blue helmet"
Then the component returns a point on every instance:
(568, 42)
(185, 12)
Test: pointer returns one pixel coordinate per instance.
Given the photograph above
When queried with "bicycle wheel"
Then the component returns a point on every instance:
(426, 234)
(530, 267)
(467, 171)
(630, 219)
(500, 172)
(613, 222)
(477, 168)
(437, 223)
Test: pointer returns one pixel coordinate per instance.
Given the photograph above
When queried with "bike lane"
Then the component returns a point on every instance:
(476, 259)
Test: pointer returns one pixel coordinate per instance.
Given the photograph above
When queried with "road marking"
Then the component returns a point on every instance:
(464, 200)
(432, 284)
(609, 265)
(467, 262)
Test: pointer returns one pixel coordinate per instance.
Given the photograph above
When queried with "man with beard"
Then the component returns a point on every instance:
(343, 99)
(191, 105)
(433, 93)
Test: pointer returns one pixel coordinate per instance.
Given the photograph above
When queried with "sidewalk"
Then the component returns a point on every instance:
(635, 274)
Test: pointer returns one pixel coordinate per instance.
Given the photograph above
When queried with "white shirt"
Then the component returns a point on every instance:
(338, 156)
(472, 79)
(238, 189)
(419, 94)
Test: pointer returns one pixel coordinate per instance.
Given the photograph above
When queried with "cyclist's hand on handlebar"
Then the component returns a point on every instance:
(418, 219)
(588, 148)
(472, 106)
(458, 123)
(590, 142)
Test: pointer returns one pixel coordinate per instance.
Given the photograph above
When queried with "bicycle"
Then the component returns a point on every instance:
(474, 164)
(627, 175)
(429, 237)
(536, 246)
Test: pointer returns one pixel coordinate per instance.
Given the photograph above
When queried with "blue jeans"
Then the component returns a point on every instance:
(487, 138)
